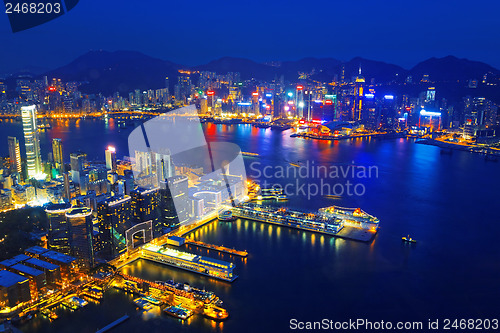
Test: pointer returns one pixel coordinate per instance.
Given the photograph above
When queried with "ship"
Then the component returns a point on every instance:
(408, 239)
(74, 303)
(49, 314)
(143, 304)
(244, 153)
(352, 217)
(178, 311)
(280, 127)
(262, 125)
(226, 216)
(45, 126)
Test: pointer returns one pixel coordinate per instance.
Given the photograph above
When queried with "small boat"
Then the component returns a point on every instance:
(44, 126)
(331, 196)
(178, 312)
(408, 239)
(244, 153)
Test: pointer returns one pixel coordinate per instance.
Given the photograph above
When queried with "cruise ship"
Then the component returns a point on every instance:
(352, 217)
(215, 268)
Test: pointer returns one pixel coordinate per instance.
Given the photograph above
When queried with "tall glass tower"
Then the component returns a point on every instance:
(15, 155)
(57, 152)
(31, 141)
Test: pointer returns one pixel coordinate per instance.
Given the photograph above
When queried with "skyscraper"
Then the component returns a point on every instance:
(111, 158)
(77, 159)
(15, 154)
(58, 238)
(57, 153)
(80, 225)
(31, 141)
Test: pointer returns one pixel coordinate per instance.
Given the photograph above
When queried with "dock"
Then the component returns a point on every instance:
(218, 248)
(113, 324)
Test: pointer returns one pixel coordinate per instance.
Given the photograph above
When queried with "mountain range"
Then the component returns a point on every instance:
(124, 71)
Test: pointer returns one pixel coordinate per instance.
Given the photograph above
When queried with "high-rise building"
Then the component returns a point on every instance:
(58, 233)
(31, 141)
(78, 161)
(145, 206)
(164, 166)
(57, 155)
(67, 190)
(178, 186)
(358, 97)
(81, 235)
(111, 158)
(15, 155)
(115, 217)
(299, 101)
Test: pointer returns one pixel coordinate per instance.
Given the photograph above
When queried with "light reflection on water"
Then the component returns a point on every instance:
(447, 202)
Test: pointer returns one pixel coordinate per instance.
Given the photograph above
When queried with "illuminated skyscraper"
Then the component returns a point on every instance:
(57, 153)
(15, 154)
(358, 97)
(111, 158)
(31, 141)
(79, 221)
(58, 235)
(78, 160)
(299, 101)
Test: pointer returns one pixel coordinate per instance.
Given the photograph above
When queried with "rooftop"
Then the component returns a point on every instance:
(59, 257)
(80, 211)
(41, 264)
(37, 250)
(15, 260)
(8, 279)
(58, 208)
(27, 270)
(217, 261)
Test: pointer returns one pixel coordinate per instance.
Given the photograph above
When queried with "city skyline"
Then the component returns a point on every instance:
(391, 31)
(249, 167)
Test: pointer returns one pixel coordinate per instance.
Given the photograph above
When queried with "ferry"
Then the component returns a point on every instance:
(408, 239)
(179, 312)
(74, 303)
(143, 304)
(262, 125)
(215, 313)
(283, 127)
(49, 314)
(330, 196)
(244, 153)
(152, 300)
(226, 216)
(44, 126)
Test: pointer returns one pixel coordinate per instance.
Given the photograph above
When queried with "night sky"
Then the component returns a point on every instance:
(195, 32)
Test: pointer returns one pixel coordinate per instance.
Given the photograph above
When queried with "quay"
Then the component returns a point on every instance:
(218, 248)
(347, 137)
(113, 324)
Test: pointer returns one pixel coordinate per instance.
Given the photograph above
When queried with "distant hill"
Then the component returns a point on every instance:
(124, 71)
(247, 68)
(451, 68)
(121, 71)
